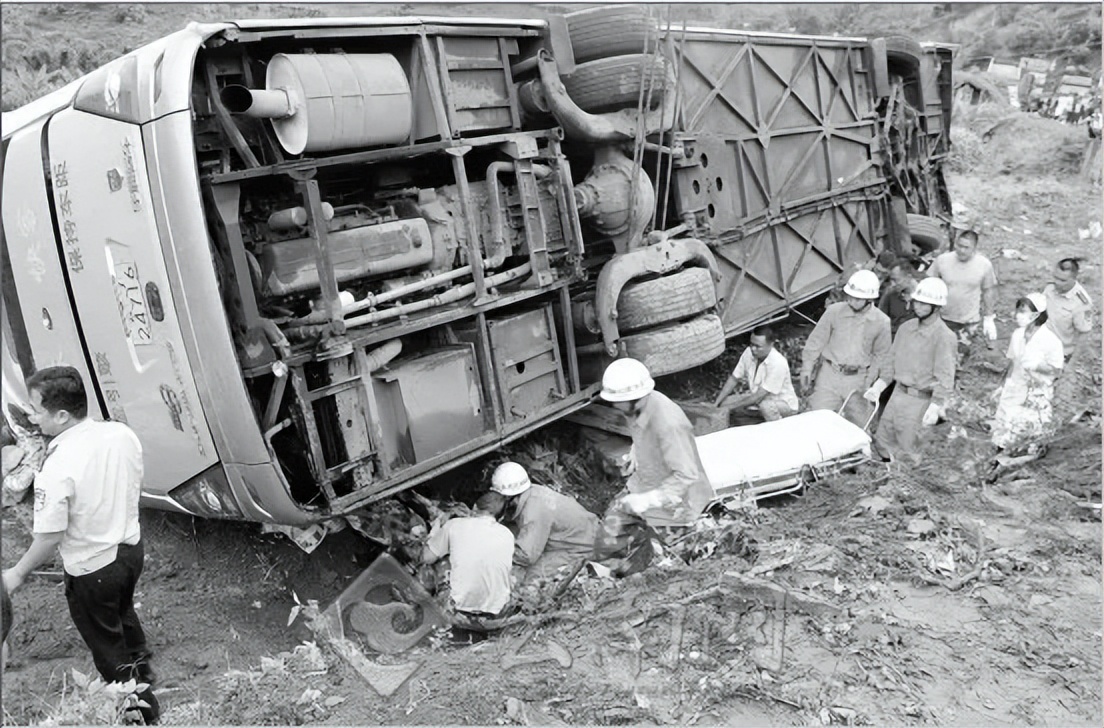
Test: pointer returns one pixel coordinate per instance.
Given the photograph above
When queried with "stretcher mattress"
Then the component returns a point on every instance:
(757, 456)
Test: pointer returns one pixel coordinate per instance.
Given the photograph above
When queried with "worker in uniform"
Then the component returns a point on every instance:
(553, 533)
(765, 372)
(86, 507)
(922, 363)
(847, 347)
(667, 488)
(1069, 306)
(476, 583)
(1069, 315)
(971, 291)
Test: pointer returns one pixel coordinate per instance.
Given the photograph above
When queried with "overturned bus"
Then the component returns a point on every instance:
(316, 262)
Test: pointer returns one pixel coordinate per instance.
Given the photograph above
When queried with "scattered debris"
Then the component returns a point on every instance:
(553, 651)
(398, 600)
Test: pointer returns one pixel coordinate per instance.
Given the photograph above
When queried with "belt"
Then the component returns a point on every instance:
(847, 368)
(914, 391)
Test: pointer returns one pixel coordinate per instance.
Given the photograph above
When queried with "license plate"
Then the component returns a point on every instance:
(132, 306)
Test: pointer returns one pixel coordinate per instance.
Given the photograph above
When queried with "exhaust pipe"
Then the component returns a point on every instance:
(277, 103)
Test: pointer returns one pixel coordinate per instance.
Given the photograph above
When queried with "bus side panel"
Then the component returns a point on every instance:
(122, 293)
(781, 142)
(35, 266)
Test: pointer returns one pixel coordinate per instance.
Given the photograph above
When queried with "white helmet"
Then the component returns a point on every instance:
(863, 284)
(510, 479)
(931, 290)
(626, 380)
(1038, 300)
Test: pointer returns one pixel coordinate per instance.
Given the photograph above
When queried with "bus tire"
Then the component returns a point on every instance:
(678, 347)
(609, 84)
(610, 30)
(926, 233)
(668, 298)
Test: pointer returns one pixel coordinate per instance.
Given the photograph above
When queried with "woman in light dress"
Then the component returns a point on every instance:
(1024, 409)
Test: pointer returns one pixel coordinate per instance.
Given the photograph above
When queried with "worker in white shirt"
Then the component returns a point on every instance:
(480, 550)
(765, 373)
(86, 508)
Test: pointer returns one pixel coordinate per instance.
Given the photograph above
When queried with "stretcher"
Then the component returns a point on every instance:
(745, 464)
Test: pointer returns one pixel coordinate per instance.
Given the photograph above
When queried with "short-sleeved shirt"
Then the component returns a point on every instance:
(772, 374)
(1044, 347)
(480, 552)
(965, 282)
(89, 487)
(896, 302)
(1068, 314)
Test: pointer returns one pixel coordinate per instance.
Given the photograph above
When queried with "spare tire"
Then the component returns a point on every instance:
(678, 347)
(926, 233)
(611, 30)
(668, 298)
(609, 84)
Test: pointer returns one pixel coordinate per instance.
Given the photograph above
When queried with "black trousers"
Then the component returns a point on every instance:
(102, 607)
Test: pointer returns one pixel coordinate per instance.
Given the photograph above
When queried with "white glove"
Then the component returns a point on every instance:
(989, 326)
(638, 503)
(875, 392)
(627, 466)
(931, 414)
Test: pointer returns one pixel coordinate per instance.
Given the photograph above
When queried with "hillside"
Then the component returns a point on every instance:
(46, 45)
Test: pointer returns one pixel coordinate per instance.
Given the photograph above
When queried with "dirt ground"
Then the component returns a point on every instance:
(927, 596)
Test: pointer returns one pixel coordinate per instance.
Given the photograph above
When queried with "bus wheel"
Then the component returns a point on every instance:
(678, 347)
(667, 298)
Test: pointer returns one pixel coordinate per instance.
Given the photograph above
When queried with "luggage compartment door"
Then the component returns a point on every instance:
(119, 283)
(40, 330)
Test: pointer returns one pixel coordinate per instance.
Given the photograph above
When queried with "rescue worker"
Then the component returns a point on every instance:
(667, 487)
(879, 265)
(479, 549)
(971, 291)
(1068, 306)
(849, 344)
(86, 507)
(552, 531)
(770, 393)
(922, 363)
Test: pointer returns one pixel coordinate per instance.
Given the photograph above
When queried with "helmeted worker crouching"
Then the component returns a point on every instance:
(553, 532)
(666, 487)
(922, 362)
(850, 344)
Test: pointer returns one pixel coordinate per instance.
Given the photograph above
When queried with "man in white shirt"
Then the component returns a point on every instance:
(971, 291)
(86, 506)
(480, 552)
(770, 392)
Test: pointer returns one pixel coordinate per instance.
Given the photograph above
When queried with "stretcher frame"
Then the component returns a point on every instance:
(792, 480)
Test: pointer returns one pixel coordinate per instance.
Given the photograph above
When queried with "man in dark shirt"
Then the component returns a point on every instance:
(896, 296)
